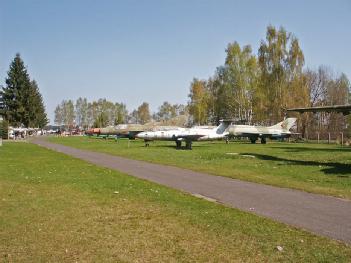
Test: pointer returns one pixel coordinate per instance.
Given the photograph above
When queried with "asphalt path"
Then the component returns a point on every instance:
(323, 215)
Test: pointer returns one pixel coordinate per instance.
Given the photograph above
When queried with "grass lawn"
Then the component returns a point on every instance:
(59, 209)
(317, 168)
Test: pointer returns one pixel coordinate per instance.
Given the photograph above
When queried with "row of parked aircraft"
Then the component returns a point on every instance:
(199, 133)
(21, 133)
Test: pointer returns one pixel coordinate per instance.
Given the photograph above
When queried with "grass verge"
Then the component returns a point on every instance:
(316, 168)
(57, 208)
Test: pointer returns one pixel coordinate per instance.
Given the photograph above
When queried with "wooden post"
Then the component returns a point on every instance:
(318, 137)
(342, 138)
(128, 142)
(328, 137)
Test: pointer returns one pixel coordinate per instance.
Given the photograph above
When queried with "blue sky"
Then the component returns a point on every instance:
(135, 51)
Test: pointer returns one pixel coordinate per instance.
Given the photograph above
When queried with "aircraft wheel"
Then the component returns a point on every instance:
(189, 145)
(179, 144)
(253, 141)
(263, 140)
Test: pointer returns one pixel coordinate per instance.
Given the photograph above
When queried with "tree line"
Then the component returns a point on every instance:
(257, 89)
(102, 113)
(89, 114)
(250, 88)
(21, 103)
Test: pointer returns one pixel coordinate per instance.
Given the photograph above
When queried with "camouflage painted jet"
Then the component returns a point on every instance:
(186, 134)
(93, 131)
(278, 131)
(123, 130)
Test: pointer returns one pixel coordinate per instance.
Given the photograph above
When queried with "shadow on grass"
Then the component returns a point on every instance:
(181, 148)
(304, 148)
(333, 168)
(168, 146)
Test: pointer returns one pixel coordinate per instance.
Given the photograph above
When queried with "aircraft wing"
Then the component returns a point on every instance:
(190, 137)
(249, 134)
(293, 133)
(263, 134)
(344, 109)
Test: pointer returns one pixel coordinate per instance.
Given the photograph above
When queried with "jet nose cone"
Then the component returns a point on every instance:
(142, 135)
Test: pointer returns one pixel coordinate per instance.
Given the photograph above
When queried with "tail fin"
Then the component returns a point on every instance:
(224, 124)
(285, 124)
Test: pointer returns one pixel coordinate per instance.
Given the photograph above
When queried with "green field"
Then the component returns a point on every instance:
(60, 209)
(317, 168)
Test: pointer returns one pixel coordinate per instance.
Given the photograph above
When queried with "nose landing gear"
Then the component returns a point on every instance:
(178, 144)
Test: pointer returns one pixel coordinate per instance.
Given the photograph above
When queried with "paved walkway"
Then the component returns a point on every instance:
(327, 216)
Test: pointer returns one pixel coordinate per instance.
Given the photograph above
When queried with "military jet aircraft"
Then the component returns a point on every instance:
(122, 130)
(92, 131)
(131, 130)
(278, 131)
(186, 134)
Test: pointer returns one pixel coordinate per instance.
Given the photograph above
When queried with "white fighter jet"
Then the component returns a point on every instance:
(278, 131)
(188, 135)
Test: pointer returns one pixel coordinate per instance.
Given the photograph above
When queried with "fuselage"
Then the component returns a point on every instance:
(242, 130)
(182, 134)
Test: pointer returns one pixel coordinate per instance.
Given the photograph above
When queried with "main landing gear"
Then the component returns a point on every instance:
(147, 143)
(188, 144)
(253, 140)
(263, 140)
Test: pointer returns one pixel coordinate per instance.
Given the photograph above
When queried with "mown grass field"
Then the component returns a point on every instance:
(316, 168)
(60, 209)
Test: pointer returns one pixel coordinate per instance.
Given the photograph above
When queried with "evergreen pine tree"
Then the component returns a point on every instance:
(35, 107)
(20, 101)
(1, 104)
(15, 93)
